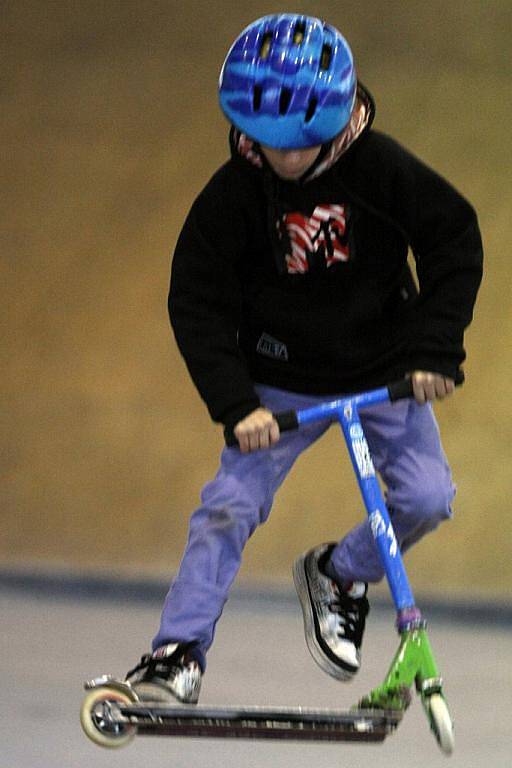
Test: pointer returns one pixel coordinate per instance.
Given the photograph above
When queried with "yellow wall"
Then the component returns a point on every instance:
(110, 127)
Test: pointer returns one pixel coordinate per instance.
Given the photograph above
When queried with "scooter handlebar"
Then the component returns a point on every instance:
(288, 421)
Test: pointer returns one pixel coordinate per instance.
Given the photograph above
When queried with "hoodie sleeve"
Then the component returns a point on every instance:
(205, 302)
(443, 232)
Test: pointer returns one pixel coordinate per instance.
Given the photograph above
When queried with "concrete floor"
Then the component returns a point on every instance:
(49, 646)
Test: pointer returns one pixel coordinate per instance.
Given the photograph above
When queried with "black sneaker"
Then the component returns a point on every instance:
(334, 618)
(171, 672)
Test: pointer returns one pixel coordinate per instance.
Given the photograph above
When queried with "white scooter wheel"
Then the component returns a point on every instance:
(97, 719)
(441, 723)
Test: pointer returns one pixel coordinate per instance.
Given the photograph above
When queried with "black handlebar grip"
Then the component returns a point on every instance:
(286, 421)
(401, 389)
(229, 437)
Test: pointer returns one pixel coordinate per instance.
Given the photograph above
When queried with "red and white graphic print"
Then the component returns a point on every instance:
(324, 231)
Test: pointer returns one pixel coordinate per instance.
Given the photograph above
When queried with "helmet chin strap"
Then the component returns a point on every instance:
(361, 119)
(324, 151)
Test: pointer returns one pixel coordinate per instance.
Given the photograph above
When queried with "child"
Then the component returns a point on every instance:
(290, 285)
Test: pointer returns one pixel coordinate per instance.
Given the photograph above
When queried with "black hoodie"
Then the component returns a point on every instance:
(305, 285)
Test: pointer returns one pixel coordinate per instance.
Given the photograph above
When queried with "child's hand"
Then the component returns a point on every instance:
(258, 430)
(430, 386)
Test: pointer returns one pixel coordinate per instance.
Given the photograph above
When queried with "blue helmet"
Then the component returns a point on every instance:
(288, 82)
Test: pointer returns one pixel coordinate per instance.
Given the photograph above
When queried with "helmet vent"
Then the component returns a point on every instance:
(265, 45)
(326, 56)
(256, 98)
(284, 100)
(299, 32)
(311, 109)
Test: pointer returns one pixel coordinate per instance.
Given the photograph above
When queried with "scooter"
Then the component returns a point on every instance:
(112, 712)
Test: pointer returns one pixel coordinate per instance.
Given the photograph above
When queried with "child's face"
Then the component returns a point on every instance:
(291, 164)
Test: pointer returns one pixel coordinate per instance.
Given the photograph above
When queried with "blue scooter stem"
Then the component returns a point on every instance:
(346, 411)
(378, 516)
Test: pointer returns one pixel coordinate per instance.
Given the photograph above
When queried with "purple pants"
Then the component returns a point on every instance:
(407, 453)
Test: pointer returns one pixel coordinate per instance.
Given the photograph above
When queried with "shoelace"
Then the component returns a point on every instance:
(351, 613)
(155, 666)
(164, 665)
(143, 664)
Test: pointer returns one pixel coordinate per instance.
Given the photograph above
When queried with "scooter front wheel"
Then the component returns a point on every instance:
(99, 721)
(441, 722)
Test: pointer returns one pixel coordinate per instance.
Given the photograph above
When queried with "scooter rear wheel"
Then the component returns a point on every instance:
(97, 717)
